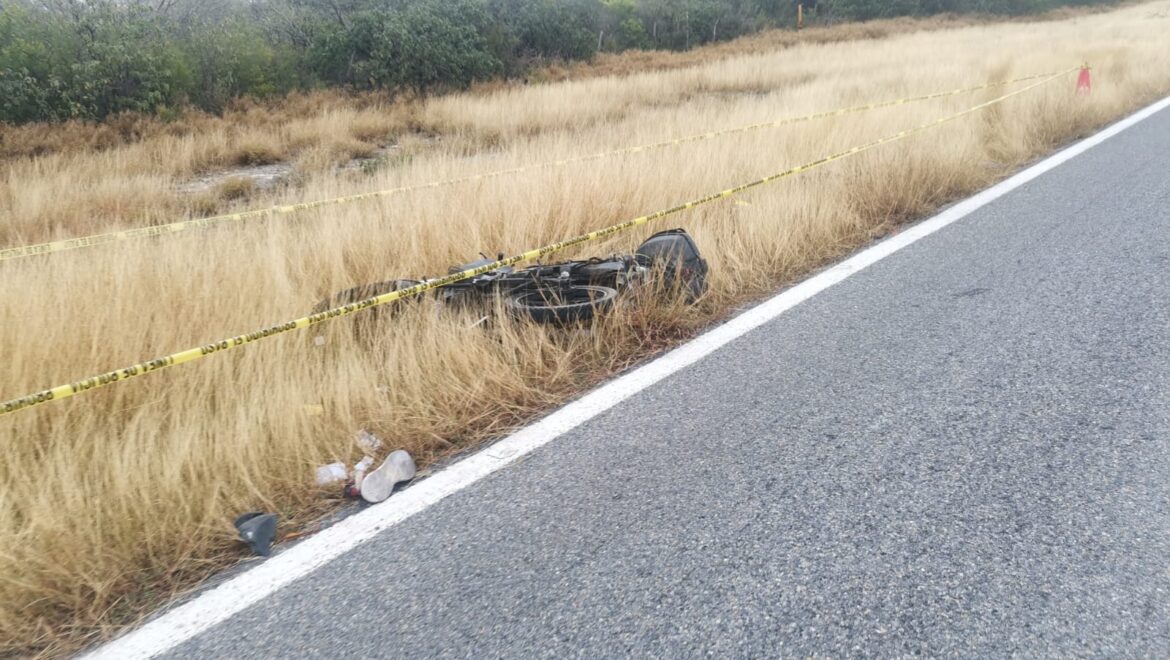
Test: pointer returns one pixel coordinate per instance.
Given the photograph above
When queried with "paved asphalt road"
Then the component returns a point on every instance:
(962, 450)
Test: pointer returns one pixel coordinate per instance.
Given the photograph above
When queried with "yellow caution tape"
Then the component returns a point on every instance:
(204, 223)
(192, 354)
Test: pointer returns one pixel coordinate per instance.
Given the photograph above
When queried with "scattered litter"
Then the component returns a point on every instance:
(368, 441)
(382, 389)
(398, 467)
(314, 410)
(372, 487)
(258, 530)
(353, 488)
(327, 474)
(319, 340)
(359, 470)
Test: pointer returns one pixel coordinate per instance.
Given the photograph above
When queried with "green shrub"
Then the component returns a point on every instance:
(423, 47)
(94, 58)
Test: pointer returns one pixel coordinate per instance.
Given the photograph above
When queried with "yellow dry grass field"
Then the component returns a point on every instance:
(112, 500)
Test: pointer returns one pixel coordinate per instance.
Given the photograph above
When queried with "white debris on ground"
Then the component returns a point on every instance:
(397, 468)
(375, 486)
(359, 470)
(368, 441)
(332, 473)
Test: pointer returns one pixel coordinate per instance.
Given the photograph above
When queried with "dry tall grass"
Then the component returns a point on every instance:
(111, 500)
(377, 119)
(86, 182)
(770, 41)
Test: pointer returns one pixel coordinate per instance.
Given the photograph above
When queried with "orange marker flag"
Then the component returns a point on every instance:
(1084, 82)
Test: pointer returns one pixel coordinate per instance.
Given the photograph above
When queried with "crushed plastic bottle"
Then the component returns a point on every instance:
(327, 474)
(398, 467)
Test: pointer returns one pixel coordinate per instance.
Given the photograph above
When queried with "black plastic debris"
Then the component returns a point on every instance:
(258, 530)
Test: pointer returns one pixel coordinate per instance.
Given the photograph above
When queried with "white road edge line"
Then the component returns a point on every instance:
(222, 602)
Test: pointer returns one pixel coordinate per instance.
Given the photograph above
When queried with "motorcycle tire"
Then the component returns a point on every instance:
(570, 304)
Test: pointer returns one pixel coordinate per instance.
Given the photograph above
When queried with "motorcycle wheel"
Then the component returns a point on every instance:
(561, 305)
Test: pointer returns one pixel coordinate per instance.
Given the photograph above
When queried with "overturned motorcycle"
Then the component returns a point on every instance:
(568, 292)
